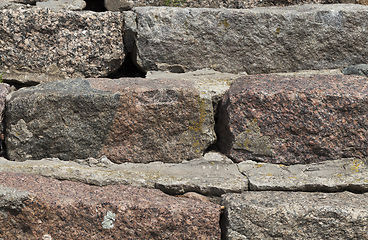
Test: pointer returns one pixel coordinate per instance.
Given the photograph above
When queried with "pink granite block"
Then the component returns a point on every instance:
(71, 210)
(292, 120)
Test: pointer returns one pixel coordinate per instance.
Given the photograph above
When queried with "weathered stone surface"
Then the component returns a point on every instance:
(211, 175)
(70, 210)
(310, 73)
(259, 40)
(214, 174)
(118, 5)
(294, 119)
(6, 4)
(337, 175)
(211, 84)
(127, 120)
(58, 45)
(295, 215)
(4, 91)
(73, 5)
(220, 3)
(360, 69)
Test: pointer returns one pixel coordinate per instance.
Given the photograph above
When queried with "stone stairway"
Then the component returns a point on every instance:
(244, 126)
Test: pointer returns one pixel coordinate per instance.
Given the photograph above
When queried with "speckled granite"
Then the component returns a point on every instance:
(70, 210)
(295, 215)
(4, 91)
(258, 40)
(116, 5)
(127, 120)
(294, 119)
(40, 45)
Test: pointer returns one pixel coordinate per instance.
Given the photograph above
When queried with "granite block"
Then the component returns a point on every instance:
(289, 120)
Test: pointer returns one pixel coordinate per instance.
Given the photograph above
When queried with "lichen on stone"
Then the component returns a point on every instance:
(108, 221)
(252, 141)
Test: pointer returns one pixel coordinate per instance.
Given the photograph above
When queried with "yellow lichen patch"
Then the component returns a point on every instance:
(259, 165)
(277, 31)
(356, 165)
(224, 23)
(197, 125)
(269, 174)
(293, 177)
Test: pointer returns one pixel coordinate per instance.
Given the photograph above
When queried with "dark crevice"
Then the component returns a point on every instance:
(18, 85)
(216, 107)
(223, 221)
(95, 5)
(128, 69)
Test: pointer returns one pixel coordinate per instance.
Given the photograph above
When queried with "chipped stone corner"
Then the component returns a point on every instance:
(252, 141)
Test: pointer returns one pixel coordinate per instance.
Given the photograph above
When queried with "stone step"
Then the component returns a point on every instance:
(289, 120)
(211, 175)
(259, 40)
(41, 45)
(72, 44)
(121, 5)
(329, 176)
(127, 120)
(34, 207)
(295, 215)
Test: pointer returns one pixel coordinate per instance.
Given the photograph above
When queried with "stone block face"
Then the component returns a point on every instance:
(116, 5)
(259, 40)
(293, 120)
(40, 45)
(211, 175)
(35, 207)
(295, 215)
(127, 120)
(4, 91)
(330, 176)
(56, 5)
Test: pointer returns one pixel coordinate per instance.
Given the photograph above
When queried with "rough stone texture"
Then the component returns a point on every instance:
(6, 4)
(70, 210)
(296, 215)
(245, 4)
(40, 45)
(214, 174)
(211, 175)
(309, 73)
(73, 5)
(211, 84)
(259, 40)
(4, 91)
(337, 175)
(292, 120)
(127, 120)
(118, 5)
(360, 69)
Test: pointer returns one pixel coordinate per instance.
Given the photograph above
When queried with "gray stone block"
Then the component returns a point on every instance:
(295, 215)
(211, 175)
(127, 120)
(332, 176)
(259, 40)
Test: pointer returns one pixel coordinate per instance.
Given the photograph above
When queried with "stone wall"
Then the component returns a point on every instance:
(207, 143)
